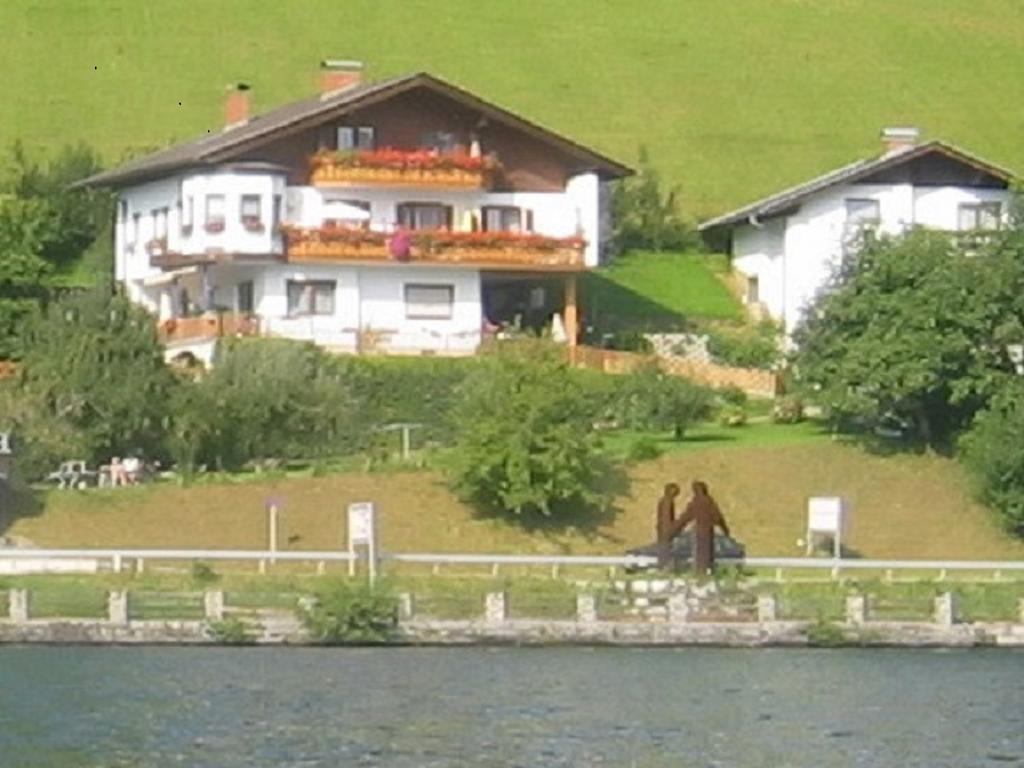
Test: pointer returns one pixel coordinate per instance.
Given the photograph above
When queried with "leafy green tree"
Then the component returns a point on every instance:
(993, 453)
(916, 329)
(650, 399)
(25, 276)
(264, 399)
(93, 362)
(525, 439)
(648, 217)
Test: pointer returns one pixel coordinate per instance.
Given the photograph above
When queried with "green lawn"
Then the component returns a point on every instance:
(659, 290)
(733, 99)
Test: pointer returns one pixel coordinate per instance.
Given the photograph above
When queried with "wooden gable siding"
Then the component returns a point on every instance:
(402, 121)
(936, 170)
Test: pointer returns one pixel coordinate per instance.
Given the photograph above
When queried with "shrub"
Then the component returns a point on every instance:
(650, 399)
(203, 573)
(648, 217)
(732, 416)
(344, 612)
(745, 347)
(229, 631)
(526, 441)
(732, 395)
(643, 448)
(826, 634)
(788, 410)
(993, 452)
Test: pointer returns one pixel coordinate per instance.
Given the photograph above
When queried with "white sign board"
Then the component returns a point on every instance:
(827, 515)
(360, 523)
(362, 532)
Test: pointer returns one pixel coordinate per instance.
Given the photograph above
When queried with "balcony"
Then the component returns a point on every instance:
(402, 168)
(207, 327)
(491, 250)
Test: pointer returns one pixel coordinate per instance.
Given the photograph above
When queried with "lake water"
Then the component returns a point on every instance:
(91, 707)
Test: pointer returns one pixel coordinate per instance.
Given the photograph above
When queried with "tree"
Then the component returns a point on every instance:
(93, 362)
(525, 442)
(916, 329)
(647, 217)
(263, 399)
(650, 399)
(993, 453)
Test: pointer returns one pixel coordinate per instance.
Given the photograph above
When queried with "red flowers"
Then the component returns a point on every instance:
(427, 241)
(405, 159)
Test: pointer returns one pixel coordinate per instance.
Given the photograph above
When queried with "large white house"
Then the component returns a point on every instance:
(405, 216)
(787, 246)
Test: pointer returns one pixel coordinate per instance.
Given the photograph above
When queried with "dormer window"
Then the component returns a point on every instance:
(354, 137)
(215, 213)
(252, 213)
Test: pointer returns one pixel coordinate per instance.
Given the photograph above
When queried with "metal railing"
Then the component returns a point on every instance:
(118, 556)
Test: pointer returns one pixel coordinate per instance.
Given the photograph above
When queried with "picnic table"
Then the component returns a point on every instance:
(72, 474)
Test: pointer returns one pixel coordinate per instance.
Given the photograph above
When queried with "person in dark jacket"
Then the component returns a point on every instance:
(666, 524)
(705, 515)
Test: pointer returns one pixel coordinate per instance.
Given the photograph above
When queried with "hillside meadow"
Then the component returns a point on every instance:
(733, 99)
(906, 507)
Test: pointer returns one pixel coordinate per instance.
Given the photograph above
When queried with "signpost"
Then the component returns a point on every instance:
(362, 532)
(829, 516)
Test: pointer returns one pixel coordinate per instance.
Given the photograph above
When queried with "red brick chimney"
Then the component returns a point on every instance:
(337, 75)
(236, 106)
(896, 139)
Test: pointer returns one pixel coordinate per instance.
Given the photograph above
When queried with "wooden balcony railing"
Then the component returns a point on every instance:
(402, 168)
(495, 250)
(208, 326)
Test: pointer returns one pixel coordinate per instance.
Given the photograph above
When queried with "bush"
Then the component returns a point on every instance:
(647, 217)
(644, 448)
(650, 399)
(203, 573)
(344, 612)
(526, 441)
(788, 410)
(993, 452)
(732, 395)
(229, 631)
(745, 347)
(732, 416)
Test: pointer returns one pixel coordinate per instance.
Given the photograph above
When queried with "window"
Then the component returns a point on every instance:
(160, 223)
(187, 214)
(356, 137)
(251, 211)
(506, 218)
(425, 216)
(979, 216)
(215, 213)
(275, 220)
(753, 289)
(245, 296)
(347, 213)
(440, 141)
(122, 210)
(429, 302)
(862, 213)
(310, 297)
(133, 229)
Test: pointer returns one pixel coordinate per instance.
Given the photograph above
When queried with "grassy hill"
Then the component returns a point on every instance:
(733, 99)
(903, 506)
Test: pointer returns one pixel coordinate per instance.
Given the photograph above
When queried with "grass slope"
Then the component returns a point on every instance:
(903, 507)
(652, 290)
(733, 99)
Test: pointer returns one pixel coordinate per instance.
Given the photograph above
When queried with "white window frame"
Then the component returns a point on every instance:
(311, 286)
(976, 211)
(351, 138)
(423, 308)
(209, 208)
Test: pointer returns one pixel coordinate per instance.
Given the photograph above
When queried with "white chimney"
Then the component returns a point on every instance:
(896, 139)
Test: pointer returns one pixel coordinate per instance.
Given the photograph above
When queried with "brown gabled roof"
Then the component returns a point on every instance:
(226, 145)
(787, 198)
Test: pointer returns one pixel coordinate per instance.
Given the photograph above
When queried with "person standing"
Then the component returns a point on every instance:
(705, 515)
(666, 524)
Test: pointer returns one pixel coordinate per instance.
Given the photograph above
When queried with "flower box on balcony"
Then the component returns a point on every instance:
(215, 227)
(252, 224)
(397, 167)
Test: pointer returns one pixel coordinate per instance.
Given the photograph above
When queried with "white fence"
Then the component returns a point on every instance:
(34, 560)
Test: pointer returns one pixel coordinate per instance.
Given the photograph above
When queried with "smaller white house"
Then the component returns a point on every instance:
(788, 246)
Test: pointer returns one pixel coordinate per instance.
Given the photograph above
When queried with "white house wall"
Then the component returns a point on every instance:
(790, 277)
